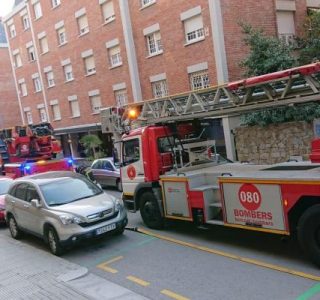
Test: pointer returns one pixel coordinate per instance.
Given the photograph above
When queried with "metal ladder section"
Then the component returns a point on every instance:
(292, 86)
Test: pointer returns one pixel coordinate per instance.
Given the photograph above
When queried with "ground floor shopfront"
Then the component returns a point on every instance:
(70, 137)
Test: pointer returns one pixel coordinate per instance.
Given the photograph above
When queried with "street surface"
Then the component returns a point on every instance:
(217, 263)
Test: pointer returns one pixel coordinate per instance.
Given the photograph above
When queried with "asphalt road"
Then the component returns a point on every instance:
(241, 265)
(216, 263)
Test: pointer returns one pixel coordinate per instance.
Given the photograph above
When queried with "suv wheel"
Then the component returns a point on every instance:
(53, 241)
(14, 229)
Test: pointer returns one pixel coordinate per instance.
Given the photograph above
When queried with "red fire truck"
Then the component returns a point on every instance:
(26, 150)
(170, 169)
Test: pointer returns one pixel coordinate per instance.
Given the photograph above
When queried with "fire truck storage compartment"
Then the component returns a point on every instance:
(176, 199)
(206, 183)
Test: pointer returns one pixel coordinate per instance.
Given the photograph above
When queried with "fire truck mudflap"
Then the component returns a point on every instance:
(253, 205)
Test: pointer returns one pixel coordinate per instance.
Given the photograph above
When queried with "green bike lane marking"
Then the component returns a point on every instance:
(310, 293)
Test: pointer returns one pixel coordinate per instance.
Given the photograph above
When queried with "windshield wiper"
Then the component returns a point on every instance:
(85, 197)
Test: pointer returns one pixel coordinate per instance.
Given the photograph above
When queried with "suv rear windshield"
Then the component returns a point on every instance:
(68, 190)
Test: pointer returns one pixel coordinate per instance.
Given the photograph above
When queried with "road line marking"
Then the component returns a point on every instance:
(173, 295)
(138, 280)
(232, 256)
(310, 292)
(104, 266)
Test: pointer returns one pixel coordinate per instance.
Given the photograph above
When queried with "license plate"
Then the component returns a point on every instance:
(105, 229)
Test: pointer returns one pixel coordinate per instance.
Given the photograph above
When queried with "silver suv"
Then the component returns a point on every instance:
(62, 208)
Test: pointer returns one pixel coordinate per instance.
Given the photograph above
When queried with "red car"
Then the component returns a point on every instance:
(5, 183)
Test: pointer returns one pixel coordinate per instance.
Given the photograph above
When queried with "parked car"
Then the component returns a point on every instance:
(106, 172)
(4, 187)
(62, 208)
(80, 164)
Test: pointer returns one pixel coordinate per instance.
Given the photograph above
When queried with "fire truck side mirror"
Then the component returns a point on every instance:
(36, 203)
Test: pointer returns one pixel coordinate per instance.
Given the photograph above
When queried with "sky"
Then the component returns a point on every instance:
(5, 7)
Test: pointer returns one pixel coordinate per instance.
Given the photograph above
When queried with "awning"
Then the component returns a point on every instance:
(78, 129)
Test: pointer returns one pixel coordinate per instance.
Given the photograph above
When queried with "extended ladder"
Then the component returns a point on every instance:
(296, 85)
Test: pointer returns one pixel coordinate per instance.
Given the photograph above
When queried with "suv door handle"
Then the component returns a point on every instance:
(26, 205)
(13, 201)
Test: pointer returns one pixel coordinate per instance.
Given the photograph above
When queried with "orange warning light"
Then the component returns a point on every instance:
(285, 202)
(132, 114)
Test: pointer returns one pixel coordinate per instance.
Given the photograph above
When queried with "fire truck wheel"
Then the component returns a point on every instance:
(14, 229)
(53, 241)
(150, 212)
(309, 233)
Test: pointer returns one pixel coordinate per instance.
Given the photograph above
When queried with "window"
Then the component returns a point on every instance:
(50, 79)
(17, 60)
(37, 10)
(62, 36)
(25, 22)
(37, 84)
(90, 67)
(108, 11)
(75, 110)
(147, 2)
(199, 80)
(68, 72)
(43, 42)
(32, 194)
(154, 43)
(12, 30)
(121, 97)
(23, 89)
(29, 117)
(95, 103)
(83, 25)
(193, 28)
(159, 89)
(56, 112)
(43, 115)
(131, 151)
(31, 54)
(55, 3)
(286, 26)
(115, 56)
(20, 191)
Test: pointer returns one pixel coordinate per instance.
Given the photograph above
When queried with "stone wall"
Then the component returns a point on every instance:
(273, 143)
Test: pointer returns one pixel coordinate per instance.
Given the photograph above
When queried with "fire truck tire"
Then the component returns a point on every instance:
(309, 233)
(150, 212)
(14, 229)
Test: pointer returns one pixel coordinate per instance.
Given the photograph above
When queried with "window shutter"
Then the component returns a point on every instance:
(285, 21)
(44, 45)
(96, 103)
(83, 22)
(108, 10)
(90, 63)
(56, 112)
(193, 24)
(114, 50)
(75, 108)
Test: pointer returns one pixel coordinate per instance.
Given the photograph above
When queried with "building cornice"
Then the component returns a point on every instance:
(15, 10)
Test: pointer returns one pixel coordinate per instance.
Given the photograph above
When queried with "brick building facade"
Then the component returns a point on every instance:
(9, 112)
(72, 57)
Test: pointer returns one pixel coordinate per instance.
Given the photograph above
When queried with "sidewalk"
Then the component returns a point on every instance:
(30, 273)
